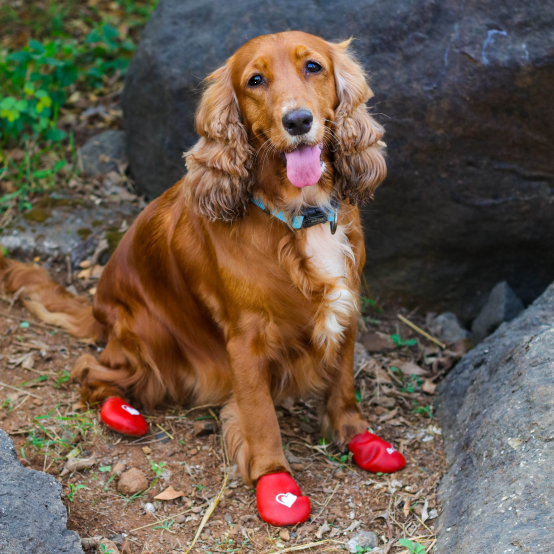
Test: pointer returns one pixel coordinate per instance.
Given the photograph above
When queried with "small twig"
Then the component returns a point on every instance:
(168, 434)
(211, 508)
(150, 442)
(326, 502)
(160, 521)
(305, 546)
(201, 407)
(361, 368)
(421, 331)
(143, 438)
(21, 403)
(21, 390)
(430, 547)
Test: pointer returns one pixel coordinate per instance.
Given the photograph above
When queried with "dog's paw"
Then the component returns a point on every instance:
(280, 501)
(121, 417)
(376, 455)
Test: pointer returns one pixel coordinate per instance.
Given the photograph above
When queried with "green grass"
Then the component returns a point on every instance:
(61, 436)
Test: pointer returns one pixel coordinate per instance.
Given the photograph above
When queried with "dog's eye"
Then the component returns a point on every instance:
(313, 67)
(255, 80)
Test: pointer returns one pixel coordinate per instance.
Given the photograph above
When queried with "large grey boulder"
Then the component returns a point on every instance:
(496, 409)
(32, 517)
(464, 89)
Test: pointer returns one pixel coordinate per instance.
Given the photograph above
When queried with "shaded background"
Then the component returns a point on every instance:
(464, 90)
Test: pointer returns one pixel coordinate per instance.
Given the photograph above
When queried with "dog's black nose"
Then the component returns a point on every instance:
(298, 122)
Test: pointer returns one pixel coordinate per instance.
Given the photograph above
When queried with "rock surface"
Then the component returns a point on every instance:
(465, 90)
(363, 540)
(496, 409)
(132, 481)
(448, 328)
(502, 305)
(62, 226)
(103, 153)
(32, 517)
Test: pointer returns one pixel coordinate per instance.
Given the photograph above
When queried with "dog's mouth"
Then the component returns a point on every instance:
(304, 165)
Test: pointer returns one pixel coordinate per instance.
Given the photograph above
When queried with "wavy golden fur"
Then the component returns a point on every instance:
(208, 299)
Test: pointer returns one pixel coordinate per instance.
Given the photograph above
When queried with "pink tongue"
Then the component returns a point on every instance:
(304, 166)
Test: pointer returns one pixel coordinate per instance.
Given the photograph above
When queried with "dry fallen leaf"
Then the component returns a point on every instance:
(85, 264)
(169, 494)
(390, 415)
(22, 359)
(409, 368)
(424, 512)
(75, 464)
(428, 386)
(84, 274)
(28, 362)
(406, 508)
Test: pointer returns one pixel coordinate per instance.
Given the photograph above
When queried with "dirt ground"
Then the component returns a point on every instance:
(39, 411)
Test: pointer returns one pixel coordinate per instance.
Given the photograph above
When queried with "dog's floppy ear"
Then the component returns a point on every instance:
(219, 165)
(359, 162)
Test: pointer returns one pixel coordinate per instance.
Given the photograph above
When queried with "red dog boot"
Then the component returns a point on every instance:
(121, 417)
(376, 455)
(280, 501)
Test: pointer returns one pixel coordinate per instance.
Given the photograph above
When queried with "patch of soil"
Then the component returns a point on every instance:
(42, 418)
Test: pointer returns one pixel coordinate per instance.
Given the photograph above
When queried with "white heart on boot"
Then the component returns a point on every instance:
(287, 499)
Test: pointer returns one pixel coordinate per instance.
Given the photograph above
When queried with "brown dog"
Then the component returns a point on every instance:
(211, 299)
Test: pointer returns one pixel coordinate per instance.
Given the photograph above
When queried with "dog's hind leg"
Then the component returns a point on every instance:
(125, 370)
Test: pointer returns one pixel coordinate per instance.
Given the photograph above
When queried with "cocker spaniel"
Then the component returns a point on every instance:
(239, 285)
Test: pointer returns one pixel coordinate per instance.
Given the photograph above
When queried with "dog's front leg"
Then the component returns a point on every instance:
(252, 433)
(343, 419)
(257, 420)
(345, 422)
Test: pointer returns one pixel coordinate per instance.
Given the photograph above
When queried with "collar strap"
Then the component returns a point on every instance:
(308, 216)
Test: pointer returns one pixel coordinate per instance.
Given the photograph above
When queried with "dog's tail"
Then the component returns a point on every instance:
(47, 300)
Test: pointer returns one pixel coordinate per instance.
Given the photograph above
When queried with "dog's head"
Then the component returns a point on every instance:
(285, 118)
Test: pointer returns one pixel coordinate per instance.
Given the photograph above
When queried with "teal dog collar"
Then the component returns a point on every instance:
(308, 216)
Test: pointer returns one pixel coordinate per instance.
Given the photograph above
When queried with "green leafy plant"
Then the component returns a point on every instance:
(368, 303)
(399, 342)
(423, 410)
(63, 378)
(77, 51)
(132, 498)
(36, 79)
(72, 490)
(413, 547)
(105, 550)
(158, 469)
(166, 525)
(412, 383)
(7, 404)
